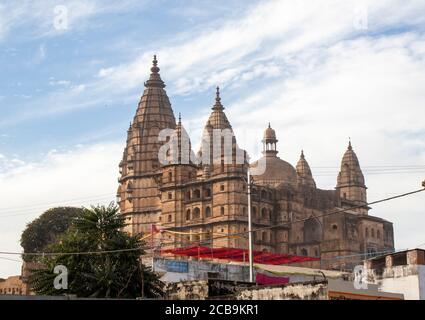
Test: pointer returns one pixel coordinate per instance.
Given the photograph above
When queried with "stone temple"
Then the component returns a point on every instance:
(206, 203)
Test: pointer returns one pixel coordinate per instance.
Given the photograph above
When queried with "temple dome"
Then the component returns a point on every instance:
(270, 169)
(277, 172)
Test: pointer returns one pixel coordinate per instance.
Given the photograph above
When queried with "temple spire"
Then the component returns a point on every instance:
(217, 105)
(155, 79)
(305, 176)
(350, 147)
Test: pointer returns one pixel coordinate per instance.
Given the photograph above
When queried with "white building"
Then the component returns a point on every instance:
(400, 272)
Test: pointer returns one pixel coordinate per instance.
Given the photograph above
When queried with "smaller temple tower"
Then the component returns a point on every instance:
(304, 176)
(351, 183)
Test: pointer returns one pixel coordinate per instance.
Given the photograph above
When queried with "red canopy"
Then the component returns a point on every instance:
(237, 255)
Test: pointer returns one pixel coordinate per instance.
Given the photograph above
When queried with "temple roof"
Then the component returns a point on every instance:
(154, 114)
(217, 118)
(351, 174)
(270, 134)
(304, 172)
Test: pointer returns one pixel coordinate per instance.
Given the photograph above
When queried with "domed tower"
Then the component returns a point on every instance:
(140, 170)
(270, 142)
(274, 171)
(351, 183)
(304, 176)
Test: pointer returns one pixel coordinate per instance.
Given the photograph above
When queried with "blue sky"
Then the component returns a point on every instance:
(319, 71)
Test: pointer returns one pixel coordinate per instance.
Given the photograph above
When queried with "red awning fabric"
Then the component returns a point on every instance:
(264, 279)
(234, 254)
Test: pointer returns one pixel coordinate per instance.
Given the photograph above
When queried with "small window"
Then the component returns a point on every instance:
(196, 213)
(188, 214)
(170, 196)
(170, 176)
(208, 192)
(222, 211)
(378, 234)
(222, 187)
(207, 212)
(334, 227)
(169, 218)
(264, 213)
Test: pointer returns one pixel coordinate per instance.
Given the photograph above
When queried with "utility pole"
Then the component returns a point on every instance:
(251, 262)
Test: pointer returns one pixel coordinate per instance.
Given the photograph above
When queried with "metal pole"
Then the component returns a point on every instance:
(251, 266)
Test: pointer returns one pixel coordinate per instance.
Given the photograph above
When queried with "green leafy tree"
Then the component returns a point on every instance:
(46, 229)
(102, 260)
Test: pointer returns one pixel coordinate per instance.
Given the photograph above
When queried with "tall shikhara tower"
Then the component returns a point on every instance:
(138, 189)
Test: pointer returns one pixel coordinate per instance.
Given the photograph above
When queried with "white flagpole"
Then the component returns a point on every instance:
(251, 264)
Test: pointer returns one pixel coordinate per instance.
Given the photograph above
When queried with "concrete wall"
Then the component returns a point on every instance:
(408, 280)
(409, 286)
(421, 274)
(295, 291)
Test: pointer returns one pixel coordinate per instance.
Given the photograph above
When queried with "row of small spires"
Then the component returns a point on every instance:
(155, 71)
(155, 80)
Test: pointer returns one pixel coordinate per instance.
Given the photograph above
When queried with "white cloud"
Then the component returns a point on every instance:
(46, 18)
(81, 176)
(274, 34)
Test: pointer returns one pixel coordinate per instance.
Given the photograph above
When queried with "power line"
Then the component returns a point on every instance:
(14, 260)
(331, 213)
(212, 238)
(37, 205)
(23, 212)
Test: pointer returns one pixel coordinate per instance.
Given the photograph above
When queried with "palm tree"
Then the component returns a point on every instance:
(102, 260)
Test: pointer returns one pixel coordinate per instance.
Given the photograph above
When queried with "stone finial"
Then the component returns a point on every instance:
(154, 79)
(217, 105)
(302, 154)
(350, 147)
(155, 68)
(217, 94)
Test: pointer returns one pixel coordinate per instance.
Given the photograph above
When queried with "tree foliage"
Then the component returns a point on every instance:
(98, 275)
(47, 228)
